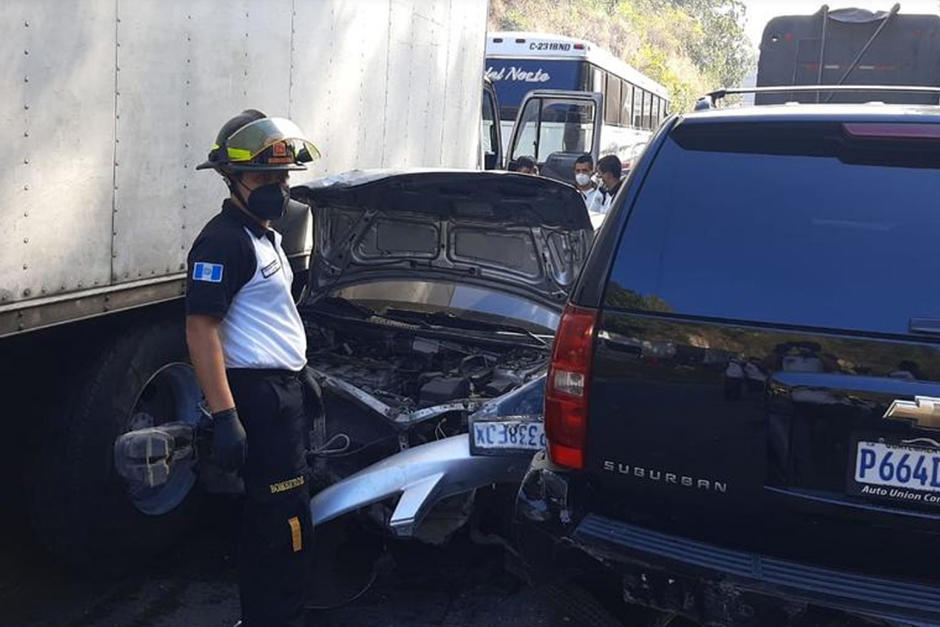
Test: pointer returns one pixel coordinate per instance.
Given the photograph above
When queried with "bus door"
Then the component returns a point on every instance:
(491, 143)
(555, 127)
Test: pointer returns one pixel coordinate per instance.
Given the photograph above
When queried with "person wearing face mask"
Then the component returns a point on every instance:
(248, 347)
(583, 168)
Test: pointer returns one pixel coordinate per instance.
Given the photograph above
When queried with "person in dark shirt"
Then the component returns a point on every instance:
(610, 170)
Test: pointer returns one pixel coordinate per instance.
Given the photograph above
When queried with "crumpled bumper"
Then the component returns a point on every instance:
(422, 476)
(710, 583)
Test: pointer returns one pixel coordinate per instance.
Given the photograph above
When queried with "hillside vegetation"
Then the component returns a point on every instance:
(690, 46)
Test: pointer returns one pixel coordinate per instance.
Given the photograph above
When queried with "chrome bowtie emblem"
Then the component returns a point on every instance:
(924, 411)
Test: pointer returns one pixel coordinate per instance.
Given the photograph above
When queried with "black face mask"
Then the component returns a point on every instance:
(268, 202)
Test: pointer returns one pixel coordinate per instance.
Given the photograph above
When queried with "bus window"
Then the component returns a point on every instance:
(655, 111)
(565, 127)
(599, 77)
(637, 106)
(612, 101)
(626, 103)
(647, 104)
(587, 77)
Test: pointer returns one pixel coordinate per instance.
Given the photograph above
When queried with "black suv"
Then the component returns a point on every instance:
(743, 404)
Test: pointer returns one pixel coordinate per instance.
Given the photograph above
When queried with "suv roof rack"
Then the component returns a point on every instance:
(710, 100)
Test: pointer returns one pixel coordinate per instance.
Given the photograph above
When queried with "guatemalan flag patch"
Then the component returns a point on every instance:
(209, 272)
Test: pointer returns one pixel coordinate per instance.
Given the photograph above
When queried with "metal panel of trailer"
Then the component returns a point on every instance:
(57, 121)
(108, 106)
(169, 113)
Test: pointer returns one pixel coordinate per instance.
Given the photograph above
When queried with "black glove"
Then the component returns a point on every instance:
(228, 440)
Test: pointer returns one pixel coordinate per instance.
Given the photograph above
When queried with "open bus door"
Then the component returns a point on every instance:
(555, 127)
(491, 141)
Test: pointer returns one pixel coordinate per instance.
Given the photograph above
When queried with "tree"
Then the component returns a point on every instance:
(689, 46)
(723, 52)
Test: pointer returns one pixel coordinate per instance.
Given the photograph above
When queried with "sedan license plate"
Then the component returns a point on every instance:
(508, 434)
(897, 471)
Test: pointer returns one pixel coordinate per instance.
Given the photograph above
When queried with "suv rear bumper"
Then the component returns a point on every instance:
(707, 582)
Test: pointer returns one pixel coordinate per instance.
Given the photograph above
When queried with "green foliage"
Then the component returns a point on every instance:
(690, 46)
(623, 298)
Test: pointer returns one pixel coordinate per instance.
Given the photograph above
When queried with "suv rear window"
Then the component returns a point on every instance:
(800, 224)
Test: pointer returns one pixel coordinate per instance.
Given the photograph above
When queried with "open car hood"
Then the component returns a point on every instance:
(520, 233)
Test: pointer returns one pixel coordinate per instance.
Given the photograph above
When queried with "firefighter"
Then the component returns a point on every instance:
(248, 347)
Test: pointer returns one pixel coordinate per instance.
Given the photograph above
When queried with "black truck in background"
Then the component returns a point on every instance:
(743, 403)
(850, 47)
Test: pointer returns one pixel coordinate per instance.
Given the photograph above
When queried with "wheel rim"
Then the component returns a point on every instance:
(172, 394)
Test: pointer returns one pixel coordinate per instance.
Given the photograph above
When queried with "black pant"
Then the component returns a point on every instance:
(277, 531)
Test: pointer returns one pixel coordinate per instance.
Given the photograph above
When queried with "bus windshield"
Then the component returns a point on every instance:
(514, 78)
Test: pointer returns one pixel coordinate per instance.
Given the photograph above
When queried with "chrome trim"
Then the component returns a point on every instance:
(924, 411)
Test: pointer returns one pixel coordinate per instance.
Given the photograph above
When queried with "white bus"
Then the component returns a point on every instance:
(633, 104)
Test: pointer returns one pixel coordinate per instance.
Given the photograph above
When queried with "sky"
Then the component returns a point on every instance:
(759, 12)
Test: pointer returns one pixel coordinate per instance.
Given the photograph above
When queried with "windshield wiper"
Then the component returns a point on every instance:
(446, 318)
(514, 329)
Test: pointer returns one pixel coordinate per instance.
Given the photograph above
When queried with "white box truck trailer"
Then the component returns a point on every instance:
(106, 107)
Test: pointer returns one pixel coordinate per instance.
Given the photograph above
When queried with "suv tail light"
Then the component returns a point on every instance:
(566, 393)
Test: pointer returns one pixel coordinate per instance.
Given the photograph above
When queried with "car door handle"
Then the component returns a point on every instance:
(924, 325)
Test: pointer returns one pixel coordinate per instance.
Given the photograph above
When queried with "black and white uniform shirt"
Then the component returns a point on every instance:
(239, 273)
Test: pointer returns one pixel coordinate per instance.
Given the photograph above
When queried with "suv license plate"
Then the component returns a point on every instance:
(897, 466)
(508, 434)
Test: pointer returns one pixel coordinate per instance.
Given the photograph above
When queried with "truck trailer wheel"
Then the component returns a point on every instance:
(83, 511)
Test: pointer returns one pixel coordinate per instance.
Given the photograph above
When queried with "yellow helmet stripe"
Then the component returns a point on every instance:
(239, 154)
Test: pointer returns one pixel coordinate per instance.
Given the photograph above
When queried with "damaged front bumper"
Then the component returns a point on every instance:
(420, 477)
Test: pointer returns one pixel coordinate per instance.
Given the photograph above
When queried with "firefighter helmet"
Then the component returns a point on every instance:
(251, 141)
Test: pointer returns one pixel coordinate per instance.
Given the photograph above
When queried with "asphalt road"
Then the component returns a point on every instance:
(194, 584)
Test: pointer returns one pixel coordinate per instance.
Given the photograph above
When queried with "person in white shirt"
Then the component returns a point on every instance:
(593, 199)
(583, 169)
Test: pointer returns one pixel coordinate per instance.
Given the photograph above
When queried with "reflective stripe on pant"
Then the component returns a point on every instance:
(277, 530)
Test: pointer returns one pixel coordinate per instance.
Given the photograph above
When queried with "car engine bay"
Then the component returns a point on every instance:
(386, 389)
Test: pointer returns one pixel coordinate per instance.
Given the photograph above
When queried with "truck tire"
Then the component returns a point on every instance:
(84, 513)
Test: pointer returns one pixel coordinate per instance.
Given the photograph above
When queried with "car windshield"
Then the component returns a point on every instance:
(463, 301)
